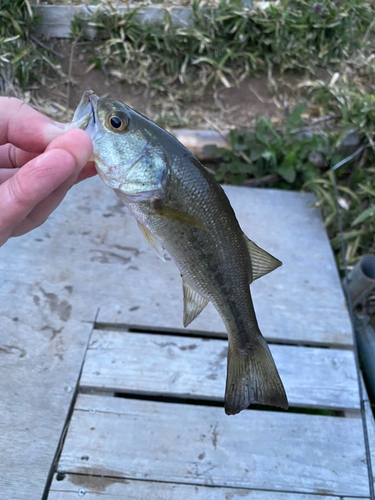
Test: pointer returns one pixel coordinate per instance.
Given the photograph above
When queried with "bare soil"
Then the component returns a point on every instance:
(223, 109)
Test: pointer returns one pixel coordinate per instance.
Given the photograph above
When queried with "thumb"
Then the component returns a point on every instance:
(64, 159)
(78, 143)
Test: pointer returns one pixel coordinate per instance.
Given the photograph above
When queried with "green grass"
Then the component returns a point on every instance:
(357, 190)
(22, 59)
(268, 151)
(299, 156)
(352, 105)
(227, 43)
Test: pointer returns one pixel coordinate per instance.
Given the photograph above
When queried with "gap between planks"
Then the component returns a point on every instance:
(195, 368)
(183, 332)
(298, 302)
(147, 396)
(133, 439)
(102, 487)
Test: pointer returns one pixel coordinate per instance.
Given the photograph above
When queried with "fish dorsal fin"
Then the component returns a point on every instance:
(261, 261)
(194, 303)
(154, 243)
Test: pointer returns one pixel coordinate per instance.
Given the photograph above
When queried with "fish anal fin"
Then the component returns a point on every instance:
(194, 303)
(154, 243)
(262, 262)
(252, 377)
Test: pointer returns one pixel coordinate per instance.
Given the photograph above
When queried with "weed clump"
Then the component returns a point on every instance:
(299, 156)
(22, 59)
(226, 43)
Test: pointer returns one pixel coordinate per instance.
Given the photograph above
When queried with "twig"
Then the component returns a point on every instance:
(36, 40)
(70, 72)
(221, 107)
(350, 157)
(268, 179)
(260, 98)
(364, 39)
(321, 119)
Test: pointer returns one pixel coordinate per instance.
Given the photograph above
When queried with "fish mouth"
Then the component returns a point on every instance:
(86, 111)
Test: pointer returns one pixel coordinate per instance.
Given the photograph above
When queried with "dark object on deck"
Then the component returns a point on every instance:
(366, 347)
(361, 280)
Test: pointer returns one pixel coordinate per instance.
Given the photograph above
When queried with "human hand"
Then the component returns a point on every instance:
(39, 163)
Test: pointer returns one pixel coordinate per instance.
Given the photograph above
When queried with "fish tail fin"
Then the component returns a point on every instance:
(252, 377)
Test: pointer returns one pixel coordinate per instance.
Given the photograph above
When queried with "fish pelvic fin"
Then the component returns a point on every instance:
(262, 262)
(194, 303)
(153, 241)
(252, 377)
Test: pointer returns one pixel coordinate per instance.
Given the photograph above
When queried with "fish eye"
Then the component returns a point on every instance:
(117, 122)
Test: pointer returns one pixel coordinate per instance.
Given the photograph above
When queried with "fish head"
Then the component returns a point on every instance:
(117, 133)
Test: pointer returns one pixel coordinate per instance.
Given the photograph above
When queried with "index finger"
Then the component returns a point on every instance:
(24, 127)
(12, 157)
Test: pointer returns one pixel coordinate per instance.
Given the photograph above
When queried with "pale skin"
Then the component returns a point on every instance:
(39, 163)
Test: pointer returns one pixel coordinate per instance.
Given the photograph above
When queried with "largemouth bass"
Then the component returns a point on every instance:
(181, 208)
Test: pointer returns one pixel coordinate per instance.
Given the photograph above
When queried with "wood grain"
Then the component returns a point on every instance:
(89, 255)
(300, 302)
(196, 368)
(56, 19)
(42, 346)
(101, 488)
(192, 444)
(94, 244)
(201, 142)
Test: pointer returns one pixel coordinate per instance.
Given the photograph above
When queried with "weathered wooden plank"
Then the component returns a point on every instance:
(196, 368)
(100, 488)
(302, 301)
(55, 19)
(94, 244)
(371, 434)
(201, 142)
(370, 424)
(42, 346)
(133, 439)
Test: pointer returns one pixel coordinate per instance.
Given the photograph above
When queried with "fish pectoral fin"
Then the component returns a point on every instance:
(153, 241)
(262, 262)
(170, 213)
(194, 303)
(252, 377)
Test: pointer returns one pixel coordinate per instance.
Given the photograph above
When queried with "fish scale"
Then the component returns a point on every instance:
(181, 208)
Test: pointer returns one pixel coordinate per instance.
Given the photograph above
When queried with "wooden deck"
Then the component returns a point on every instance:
(102, 386)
